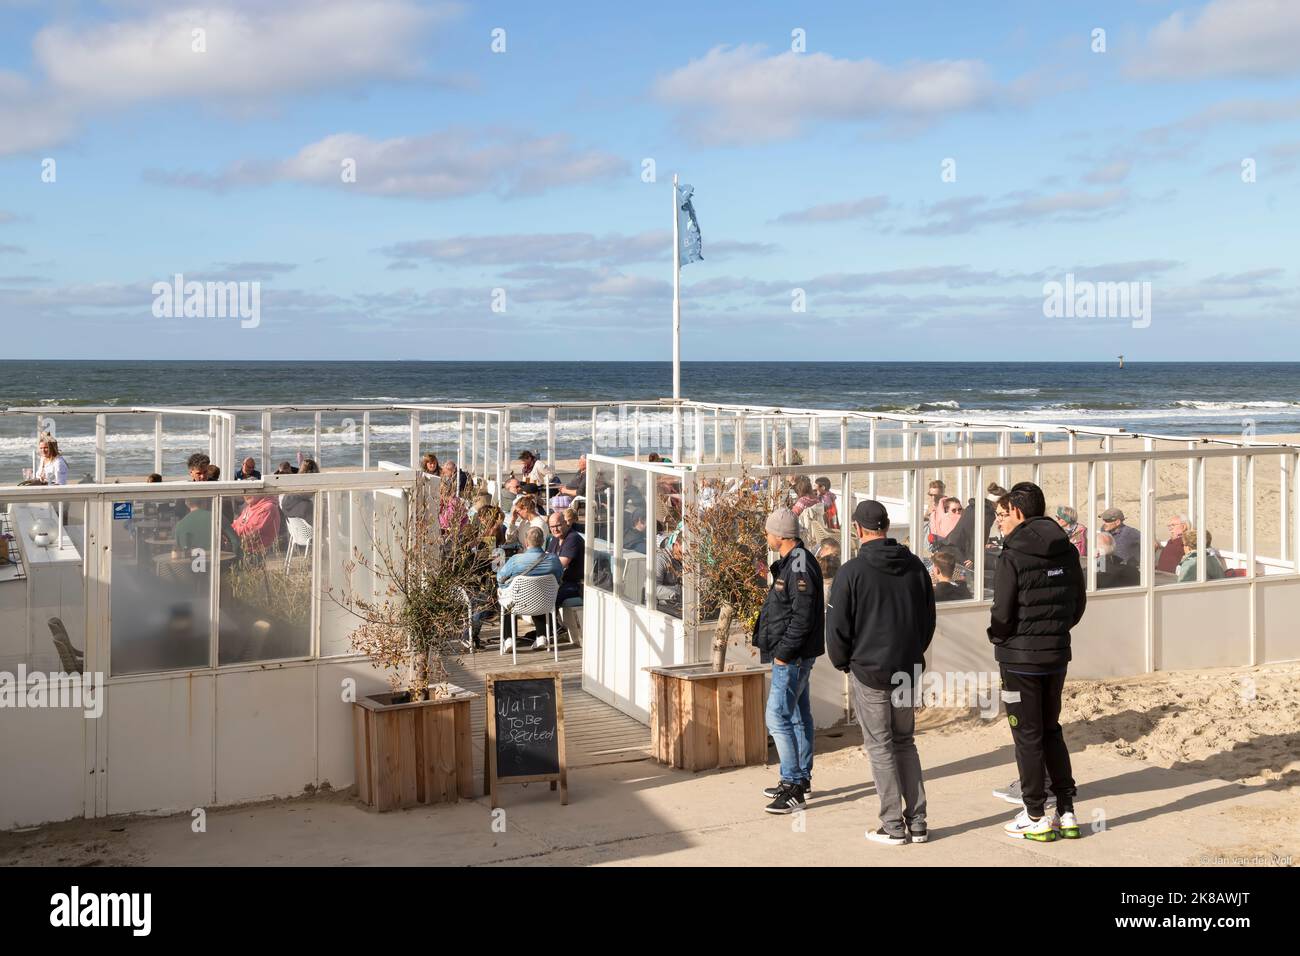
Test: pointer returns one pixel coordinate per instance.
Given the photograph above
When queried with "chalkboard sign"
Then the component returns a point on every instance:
(525, 731)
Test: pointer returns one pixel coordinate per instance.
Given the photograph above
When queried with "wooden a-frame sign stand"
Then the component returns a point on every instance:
(491, 779)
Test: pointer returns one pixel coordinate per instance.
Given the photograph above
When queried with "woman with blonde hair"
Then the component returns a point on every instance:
(51, 468)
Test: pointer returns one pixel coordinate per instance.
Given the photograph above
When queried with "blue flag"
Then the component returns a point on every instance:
(688, 229)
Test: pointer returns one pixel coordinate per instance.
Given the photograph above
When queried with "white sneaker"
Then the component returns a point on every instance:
(539, 644)
(508, 645)
(1069, 826)
(1043, 829)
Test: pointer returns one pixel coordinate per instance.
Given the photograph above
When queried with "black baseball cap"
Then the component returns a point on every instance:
(871, 515)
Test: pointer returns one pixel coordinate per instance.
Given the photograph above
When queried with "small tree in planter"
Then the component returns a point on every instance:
(413, 746)
(726, 550)
(707, 716)
(428, 566)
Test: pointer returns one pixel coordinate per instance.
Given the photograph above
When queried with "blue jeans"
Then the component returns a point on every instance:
(790, 720)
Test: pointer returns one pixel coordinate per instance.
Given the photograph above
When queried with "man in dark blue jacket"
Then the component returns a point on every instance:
(791, 634)
(1038, 597)
(879, 623)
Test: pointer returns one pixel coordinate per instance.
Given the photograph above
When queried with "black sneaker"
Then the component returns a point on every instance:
(918, 836)
(883, 836)
(788, 799)
(772, 792)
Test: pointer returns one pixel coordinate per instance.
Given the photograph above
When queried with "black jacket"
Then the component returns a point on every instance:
(1038, 596)
(881, 614)
(792, 623)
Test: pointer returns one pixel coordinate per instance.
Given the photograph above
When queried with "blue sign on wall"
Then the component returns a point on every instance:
(122, 510)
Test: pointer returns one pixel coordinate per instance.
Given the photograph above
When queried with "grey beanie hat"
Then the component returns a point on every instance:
(783, 523)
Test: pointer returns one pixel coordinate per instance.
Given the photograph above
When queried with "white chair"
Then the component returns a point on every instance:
(299, 535)
(529, 595)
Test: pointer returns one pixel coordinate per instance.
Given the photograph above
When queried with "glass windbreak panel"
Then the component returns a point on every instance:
(17, 445)
(341, 443)
(390, 438)
(598, 518)
(160, 598)
(1067, 505)
(74, 443)
(293, 439)
(1273, 524)
(639, 541)
(266, 592)
(360, 533)
(129, 448)
(1227, 554)
(1120, 548)
(42, 610)
(1175, 504)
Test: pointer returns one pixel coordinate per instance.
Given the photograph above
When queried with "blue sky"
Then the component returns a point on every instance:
(818, 170)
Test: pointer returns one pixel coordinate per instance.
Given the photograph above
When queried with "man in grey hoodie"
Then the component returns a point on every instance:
(879, 622)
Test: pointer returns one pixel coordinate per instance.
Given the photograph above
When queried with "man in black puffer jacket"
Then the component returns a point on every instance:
(791, 634)
(1038, 597)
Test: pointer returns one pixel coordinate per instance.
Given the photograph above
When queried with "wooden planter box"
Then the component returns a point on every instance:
(413, 753)
(701, 718)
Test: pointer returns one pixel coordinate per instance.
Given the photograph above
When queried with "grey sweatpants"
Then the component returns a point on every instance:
(895, 764)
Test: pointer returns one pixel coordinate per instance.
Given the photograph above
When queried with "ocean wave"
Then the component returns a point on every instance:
(1217, 406)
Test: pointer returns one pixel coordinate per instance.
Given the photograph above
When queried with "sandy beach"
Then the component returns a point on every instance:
(1198, 768)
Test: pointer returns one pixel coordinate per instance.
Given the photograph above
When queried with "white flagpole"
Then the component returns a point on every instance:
(677, 332)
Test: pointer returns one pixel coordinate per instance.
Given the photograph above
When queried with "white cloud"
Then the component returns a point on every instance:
(1255, 38)
(837, 211)
(454, 162)
(257, 52)
(535, 248)
(966, 213)
(253, 53)
(740, 95)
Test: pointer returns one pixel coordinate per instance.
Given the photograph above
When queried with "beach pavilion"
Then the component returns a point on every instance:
(207, 694)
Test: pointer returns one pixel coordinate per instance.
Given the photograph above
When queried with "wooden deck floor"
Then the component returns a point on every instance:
(594, 732)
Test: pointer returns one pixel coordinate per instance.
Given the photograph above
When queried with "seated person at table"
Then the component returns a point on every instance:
(668, 573)
(1068, 519)
(51, 468)
(523, 514)
(285, 468)
(634, 535)
(946, 521)
(576, 484)
(212, 473)
(197, 465)
(531, 562)
(258, 525)
(828, 503)
(567, 545)
(248, 471)
(489, 522)
(302, 506)
(458, 476)
(535, 471)
(1187, 566)
(1111, 571)
(1128, 540)
(804, 496)
(942, 569)
(195, 529)
(429, 464)
(1169, 554)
